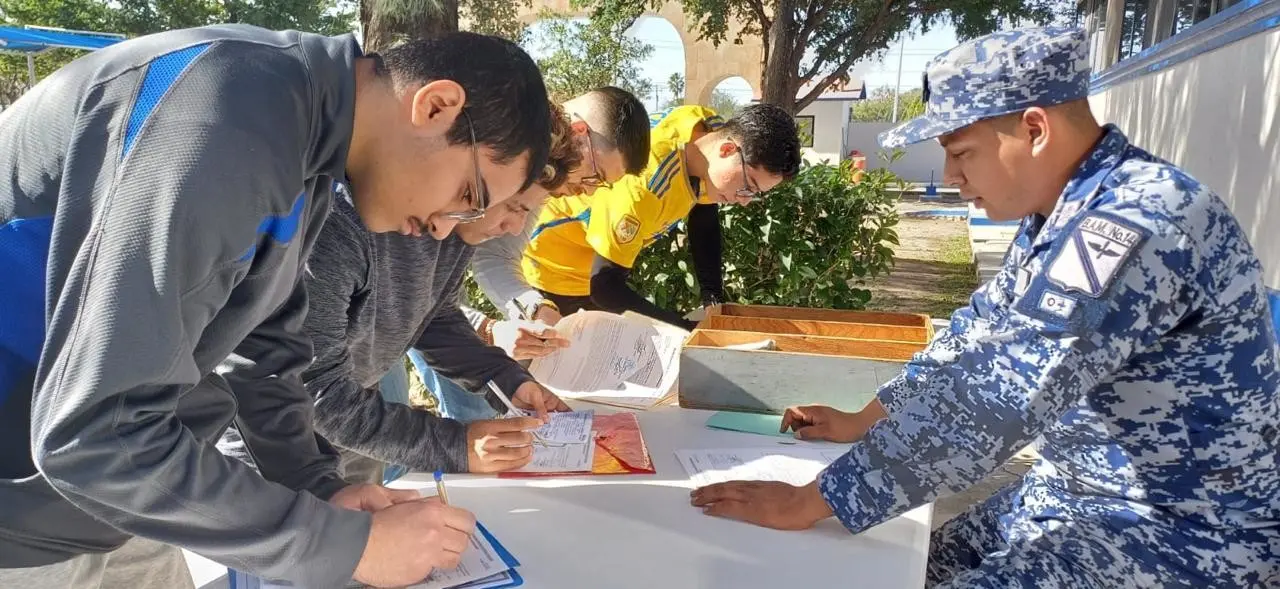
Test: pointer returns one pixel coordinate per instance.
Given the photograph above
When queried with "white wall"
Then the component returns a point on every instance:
(829, 120)
(915, 164)
(1217, 116)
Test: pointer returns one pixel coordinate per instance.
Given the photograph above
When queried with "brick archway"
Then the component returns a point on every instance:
(705, 65)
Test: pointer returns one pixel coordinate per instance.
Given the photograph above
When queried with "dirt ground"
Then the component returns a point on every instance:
(933, 269)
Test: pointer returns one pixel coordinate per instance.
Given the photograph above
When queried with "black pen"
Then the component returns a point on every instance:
(524, 314)
(524, 311)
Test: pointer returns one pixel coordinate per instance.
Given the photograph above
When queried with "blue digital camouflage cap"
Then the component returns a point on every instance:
(998, 74)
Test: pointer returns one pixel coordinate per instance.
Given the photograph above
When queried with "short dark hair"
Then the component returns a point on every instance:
(506, 97)
(768, 138)
(625, 124)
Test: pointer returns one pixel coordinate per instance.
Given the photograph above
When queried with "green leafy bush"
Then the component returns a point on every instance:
(476, 298)
(811, 242)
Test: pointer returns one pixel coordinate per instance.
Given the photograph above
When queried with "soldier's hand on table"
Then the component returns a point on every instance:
(410, 539)
(532, 395)
(496, 445)
(818, 422)
(525, 340)
(372, 497)
(769, 504)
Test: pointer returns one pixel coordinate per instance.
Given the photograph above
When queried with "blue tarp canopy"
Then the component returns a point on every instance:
(36, 40)
(31, 41)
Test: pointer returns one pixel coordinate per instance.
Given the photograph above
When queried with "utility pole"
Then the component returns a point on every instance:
(897, 88)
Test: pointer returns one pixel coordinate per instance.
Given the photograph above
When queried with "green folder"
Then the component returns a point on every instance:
(752, 423)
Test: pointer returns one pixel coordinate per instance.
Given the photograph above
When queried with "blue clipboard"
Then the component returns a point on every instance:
(507, 559)
(240, 580)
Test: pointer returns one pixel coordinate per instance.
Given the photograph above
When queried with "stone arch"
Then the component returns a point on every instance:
(705, 65)
(703, 95)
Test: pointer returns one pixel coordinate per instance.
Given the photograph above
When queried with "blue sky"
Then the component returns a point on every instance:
(668, 58)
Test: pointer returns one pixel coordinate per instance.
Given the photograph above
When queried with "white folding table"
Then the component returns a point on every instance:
(640, 531)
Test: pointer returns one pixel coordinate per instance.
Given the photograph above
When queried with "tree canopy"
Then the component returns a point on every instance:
(576, 56)
(813, 44)
(141, 17)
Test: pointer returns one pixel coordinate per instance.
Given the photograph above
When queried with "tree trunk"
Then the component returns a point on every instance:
(779, 84)
(385, 22)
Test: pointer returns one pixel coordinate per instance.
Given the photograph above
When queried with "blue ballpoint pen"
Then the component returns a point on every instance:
(444, 497)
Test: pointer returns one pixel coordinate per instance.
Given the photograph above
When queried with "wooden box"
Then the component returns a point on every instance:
(818, 356)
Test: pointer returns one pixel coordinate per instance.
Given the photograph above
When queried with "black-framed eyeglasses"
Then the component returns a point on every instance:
(746, 191)
(596, 179)
(478, 193)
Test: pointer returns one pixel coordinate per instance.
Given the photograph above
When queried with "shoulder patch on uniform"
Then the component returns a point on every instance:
(1093, 253)
(626, 228)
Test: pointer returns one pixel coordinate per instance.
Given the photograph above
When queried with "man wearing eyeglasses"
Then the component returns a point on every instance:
(161, 198)
(582, 249)
(375, 296)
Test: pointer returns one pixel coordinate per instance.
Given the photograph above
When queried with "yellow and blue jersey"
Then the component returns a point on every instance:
(618, 222)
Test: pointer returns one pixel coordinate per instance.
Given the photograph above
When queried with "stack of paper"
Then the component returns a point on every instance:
(485, 565)
(787, 464)
(621, 360)
(565, 444)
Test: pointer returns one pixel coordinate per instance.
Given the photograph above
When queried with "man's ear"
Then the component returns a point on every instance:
(580, 127)
(437, 104)
(1035, 123)
(728, 148)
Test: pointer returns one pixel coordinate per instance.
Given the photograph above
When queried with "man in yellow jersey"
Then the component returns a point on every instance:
(583, 247)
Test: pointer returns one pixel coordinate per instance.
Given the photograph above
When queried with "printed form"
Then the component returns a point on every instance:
(572, 427)
(566, 458)
(796, 466)
(612, 359)
(480, 562)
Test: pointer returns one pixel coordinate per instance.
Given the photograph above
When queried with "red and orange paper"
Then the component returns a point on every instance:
(620, 449)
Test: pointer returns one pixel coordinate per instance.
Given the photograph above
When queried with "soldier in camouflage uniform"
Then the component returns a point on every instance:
(1128, 334)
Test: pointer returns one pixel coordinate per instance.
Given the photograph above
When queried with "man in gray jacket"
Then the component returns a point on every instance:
(374, 296)
(161, 197)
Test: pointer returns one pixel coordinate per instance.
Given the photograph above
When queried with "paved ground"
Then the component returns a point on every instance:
(934, 273)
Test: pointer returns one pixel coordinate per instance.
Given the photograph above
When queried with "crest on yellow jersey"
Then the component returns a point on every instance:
(626, 229)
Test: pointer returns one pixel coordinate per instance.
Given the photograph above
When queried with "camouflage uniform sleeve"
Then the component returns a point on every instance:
(1108, 288)
(895, 394)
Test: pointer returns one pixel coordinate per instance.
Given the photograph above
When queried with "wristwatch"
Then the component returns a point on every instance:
(548, 303)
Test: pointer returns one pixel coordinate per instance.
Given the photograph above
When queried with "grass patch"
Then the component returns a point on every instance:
(937, 285)
(955, 250)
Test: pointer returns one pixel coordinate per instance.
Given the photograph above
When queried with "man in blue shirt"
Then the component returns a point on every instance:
(1128, 334)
